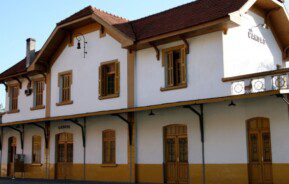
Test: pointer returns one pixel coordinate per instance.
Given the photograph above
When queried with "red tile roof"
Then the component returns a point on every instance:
(89, 10)
(19, 67)
(181, 17)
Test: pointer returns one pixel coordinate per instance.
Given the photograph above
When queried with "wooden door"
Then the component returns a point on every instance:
(11, 156)
(64, 154)
(176, 154)
(260, 155)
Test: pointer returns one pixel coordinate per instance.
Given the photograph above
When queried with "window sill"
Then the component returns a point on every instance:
(174, 87)
(108, 165)
(37, 107)
(36, 164)
(64, 103)
(108, 96)
(13, 111)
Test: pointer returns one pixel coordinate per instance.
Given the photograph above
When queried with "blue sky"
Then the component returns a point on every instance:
(33, 18)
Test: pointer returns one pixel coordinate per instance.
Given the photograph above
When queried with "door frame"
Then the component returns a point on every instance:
(10, 142)
(164, 150)
(56, 152)
(248, 146)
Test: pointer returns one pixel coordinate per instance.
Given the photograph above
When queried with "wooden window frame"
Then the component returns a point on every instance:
(12, 111)
(60, 75)
(183, 68)
(116, 82)
(109, 140)
(35, 106)
(40, 151)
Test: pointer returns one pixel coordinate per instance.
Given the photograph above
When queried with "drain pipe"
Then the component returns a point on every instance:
(84, 149)
(201, 123)
(1, 146)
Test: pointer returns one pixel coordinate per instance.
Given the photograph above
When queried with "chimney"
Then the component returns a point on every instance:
(30, 51)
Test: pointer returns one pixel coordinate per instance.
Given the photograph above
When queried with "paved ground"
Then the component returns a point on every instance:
(30, 181)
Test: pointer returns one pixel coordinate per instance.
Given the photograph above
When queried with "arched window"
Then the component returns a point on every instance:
(36, 149)
(108, 147)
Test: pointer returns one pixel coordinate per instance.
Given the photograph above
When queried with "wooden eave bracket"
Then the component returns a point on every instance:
(186, 44)
(29, 80)
(21, 133)
(83, 129)
(6, 86)
(129, 126)
(19, 82)
(45, 132)
(156, 49)
(43, 74)
(285, 55)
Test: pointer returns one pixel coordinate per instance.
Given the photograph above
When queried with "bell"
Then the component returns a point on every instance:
(78, 45)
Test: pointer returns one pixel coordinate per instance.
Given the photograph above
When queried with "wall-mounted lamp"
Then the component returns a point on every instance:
(151, 113)
(79, 38)
(264, 26)
(232, 104)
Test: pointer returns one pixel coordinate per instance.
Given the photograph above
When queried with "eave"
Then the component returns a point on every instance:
(151, 107)
(222, 24)
(61, 32)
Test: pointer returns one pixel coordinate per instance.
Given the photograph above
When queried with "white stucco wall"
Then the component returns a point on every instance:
(24, 105)
(242, 55)
(204, 73)
(84, 89)
(225, 131)
(27, 150)
(225, 134)
(94, 128)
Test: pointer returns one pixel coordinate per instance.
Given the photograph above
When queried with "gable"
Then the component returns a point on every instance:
(275, 16)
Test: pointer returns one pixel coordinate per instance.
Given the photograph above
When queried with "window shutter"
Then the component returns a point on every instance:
(10, 97)
(60, 88)
(117, 78)
(183, 66)
(170, 69)
(100, 81)
(34, 93)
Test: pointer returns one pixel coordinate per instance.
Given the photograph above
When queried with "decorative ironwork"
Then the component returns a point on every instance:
(238, 87)
(279, 82)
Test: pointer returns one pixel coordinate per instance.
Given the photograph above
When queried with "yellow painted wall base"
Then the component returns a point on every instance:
(153, 173)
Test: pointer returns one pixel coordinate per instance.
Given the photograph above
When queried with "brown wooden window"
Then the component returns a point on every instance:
(36, 149)
(64, 82)
(13, 98)
(108, 147)
(109, 80)
(38, 88)
(174, 61)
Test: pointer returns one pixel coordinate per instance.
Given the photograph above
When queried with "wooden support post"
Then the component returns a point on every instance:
(131, 147)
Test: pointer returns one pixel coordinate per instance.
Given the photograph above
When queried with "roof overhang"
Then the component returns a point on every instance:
(63, 31)
(222, 24)
(151, 107)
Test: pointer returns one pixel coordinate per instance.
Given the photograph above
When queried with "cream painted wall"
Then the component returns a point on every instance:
(225, 131)
(85, 76)
(24, 105)
(204, 73)
(94, 127)
(27, 151)
(243, 55)
(225, 134)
